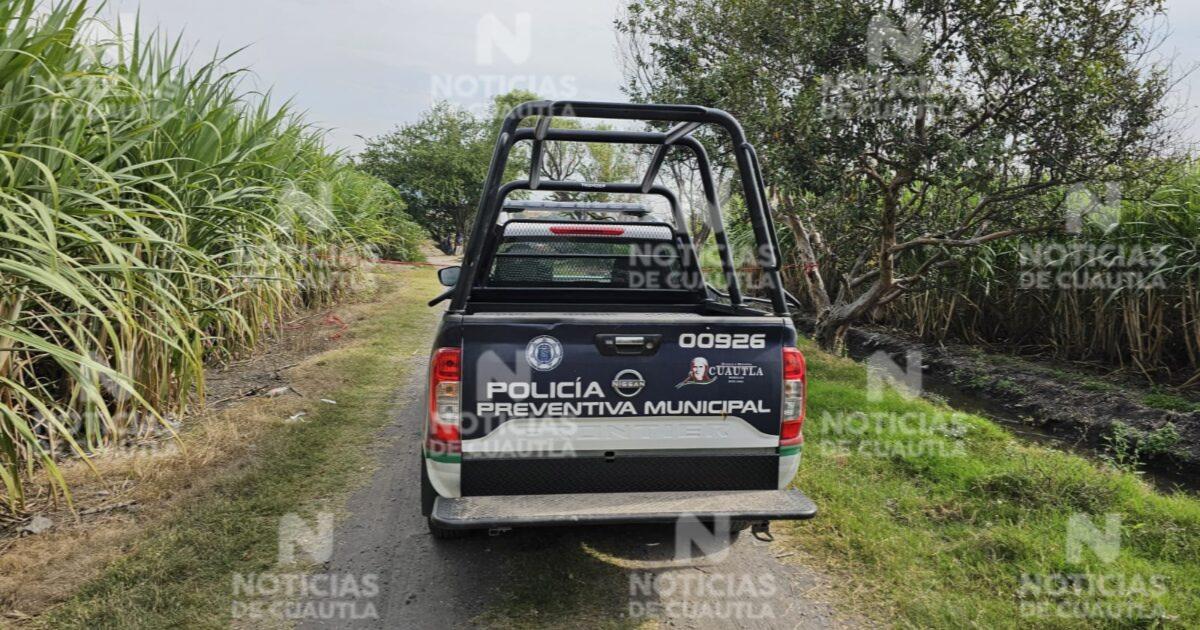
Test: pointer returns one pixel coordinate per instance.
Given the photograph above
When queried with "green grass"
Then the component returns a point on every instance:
(179, 575)
(938, 526)
(1093, 385)
(1170, 402)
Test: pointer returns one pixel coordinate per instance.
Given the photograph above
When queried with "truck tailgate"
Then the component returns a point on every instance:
(559, 403)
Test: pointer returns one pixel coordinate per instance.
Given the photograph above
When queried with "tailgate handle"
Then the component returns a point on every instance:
(628, 345)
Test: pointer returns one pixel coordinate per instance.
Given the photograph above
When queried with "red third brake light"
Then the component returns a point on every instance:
(794, 392)
(586, 230)
(444, 439)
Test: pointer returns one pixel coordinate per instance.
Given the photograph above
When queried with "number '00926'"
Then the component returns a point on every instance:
(723, 341)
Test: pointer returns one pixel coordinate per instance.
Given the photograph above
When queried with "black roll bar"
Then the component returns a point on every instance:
(689, 118)
(526, 205)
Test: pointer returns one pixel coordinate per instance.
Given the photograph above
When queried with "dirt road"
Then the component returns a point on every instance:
(576, 577)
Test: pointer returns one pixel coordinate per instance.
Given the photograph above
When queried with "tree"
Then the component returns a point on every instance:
(591, 162)
(588, 162)
(910, 131)
(438, 165)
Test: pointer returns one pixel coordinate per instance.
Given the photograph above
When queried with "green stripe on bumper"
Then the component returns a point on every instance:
(788, 451)
(445, 458)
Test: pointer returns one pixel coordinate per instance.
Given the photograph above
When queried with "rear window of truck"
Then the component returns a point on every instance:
(589, 255)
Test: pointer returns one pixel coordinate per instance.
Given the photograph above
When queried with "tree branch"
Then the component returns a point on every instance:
(969, 242)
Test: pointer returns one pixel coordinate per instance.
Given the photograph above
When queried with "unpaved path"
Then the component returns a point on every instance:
(571, 577)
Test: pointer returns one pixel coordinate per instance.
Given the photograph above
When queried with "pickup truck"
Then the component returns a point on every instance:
(587, 372)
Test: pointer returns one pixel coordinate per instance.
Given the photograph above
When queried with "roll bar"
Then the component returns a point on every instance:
(525, 205)
(585, 187)
(688, 118)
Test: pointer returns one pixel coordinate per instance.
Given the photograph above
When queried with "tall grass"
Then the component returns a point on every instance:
(1131, 300)
(154, 215)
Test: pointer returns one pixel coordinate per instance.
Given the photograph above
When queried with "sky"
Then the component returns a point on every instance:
(361, 67)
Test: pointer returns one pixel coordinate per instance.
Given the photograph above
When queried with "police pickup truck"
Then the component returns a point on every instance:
(587, 372)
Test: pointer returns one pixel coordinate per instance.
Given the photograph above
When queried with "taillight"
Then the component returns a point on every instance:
(444, 442)
(793, 398)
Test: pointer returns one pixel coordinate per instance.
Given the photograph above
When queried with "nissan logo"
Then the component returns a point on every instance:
(628, 383)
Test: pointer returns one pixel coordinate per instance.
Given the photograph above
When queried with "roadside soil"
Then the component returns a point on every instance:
(1056, 397)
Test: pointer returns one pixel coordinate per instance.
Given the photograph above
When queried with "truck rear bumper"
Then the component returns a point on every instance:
(485, 512)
